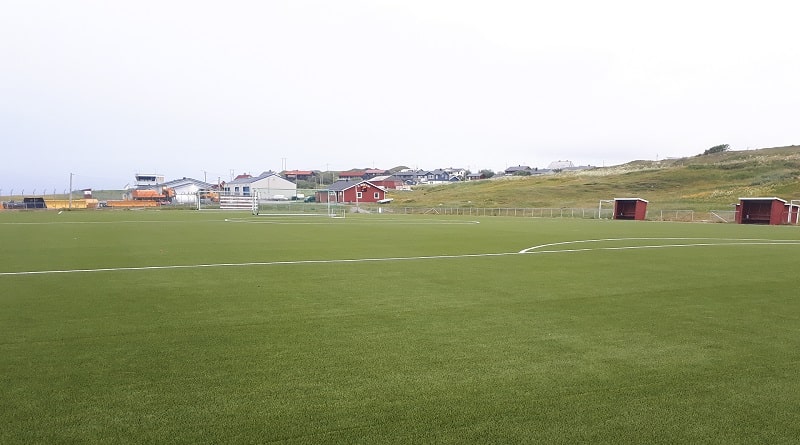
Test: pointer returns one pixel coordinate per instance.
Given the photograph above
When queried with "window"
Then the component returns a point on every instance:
(359, 195)
(377, 195)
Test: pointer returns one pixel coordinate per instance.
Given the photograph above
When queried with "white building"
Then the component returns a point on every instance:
(148, 179)
(267, 186)
(186, 189)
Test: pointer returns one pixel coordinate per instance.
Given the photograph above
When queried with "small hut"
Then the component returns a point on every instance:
(770, 211)
(630, 208)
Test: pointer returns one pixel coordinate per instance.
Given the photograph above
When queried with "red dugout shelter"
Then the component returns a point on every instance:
(630, 208)
(771, 211)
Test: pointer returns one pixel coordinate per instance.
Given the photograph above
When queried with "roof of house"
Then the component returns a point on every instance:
(186, 181)
(518, 168)
(339, 186)
(386, 178)
(411, 173)
(247, 179)
(560, 164)
(298, 173)
(352, 174)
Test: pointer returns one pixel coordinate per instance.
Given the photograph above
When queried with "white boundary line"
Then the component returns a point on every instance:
(725, 242)
(350, 221)
(529, 251)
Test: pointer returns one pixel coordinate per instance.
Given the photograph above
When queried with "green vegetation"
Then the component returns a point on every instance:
(650, 345)
(717, 149)
(713, 181)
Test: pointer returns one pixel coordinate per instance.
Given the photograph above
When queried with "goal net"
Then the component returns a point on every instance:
(221, 201)
(605, 210)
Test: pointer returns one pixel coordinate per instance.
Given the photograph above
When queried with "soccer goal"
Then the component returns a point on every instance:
(206, 200)
(299, 208)
(605, 210)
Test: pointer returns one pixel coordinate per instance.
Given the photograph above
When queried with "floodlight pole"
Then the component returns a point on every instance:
(70, 189)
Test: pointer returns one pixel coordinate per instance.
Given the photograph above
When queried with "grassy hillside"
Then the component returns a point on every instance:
(699, 183)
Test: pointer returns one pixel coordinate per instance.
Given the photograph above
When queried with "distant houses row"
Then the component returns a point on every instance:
(369, 185)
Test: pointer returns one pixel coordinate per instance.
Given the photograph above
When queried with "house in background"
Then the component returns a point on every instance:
(518, 170)
(412, 177)
(456, 174)
(352, 175)
(268, 185)
(351, 192)
(298, 175)
(388, 182)
(373, 172)
(441, 176)
(148, 179)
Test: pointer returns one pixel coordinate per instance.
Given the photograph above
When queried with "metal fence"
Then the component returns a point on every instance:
(716, 216)
(194, 201)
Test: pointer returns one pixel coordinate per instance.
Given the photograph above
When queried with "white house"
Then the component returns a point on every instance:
(267, 186)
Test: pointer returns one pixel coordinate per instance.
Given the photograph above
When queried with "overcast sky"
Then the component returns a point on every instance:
(104, 89)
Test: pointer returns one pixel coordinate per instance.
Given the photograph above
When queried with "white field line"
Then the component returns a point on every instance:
(529, 251)
(263, 219)
(719, 241)
(350, 221)
(48, 223)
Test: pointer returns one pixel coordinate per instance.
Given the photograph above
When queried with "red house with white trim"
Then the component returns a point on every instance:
(351, 192)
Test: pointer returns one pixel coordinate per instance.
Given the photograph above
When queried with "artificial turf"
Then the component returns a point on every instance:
(442, 335)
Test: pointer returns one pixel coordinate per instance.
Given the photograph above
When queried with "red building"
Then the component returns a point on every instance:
(298, 175)
(351, 192)
(353, 175)
(766, 211)
(630, 208)
(387, 182)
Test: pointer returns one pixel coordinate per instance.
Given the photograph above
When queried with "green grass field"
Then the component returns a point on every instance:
(182, 327)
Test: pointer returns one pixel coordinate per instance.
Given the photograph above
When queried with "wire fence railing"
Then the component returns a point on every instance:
(719, 216)
(190, 202)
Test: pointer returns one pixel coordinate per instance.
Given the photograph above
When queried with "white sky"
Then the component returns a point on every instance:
(104, 89)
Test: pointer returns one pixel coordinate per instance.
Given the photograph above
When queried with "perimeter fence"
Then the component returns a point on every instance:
(718, 216)
(195, 201)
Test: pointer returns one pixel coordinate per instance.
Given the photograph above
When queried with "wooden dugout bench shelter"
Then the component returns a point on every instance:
(770, 211)
(630, 208)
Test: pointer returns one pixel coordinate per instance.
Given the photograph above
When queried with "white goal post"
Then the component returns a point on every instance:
(609, 210)
(217, 200)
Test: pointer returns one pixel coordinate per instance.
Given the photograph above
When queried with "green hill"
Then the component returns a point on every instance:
(703, 182)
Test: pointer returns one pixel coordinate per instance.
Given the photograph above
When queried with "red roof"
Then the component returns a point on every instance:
(356, 174)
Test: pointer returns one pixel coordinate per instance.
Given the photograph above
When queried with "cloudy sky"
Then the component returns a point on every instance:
(104, 89)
